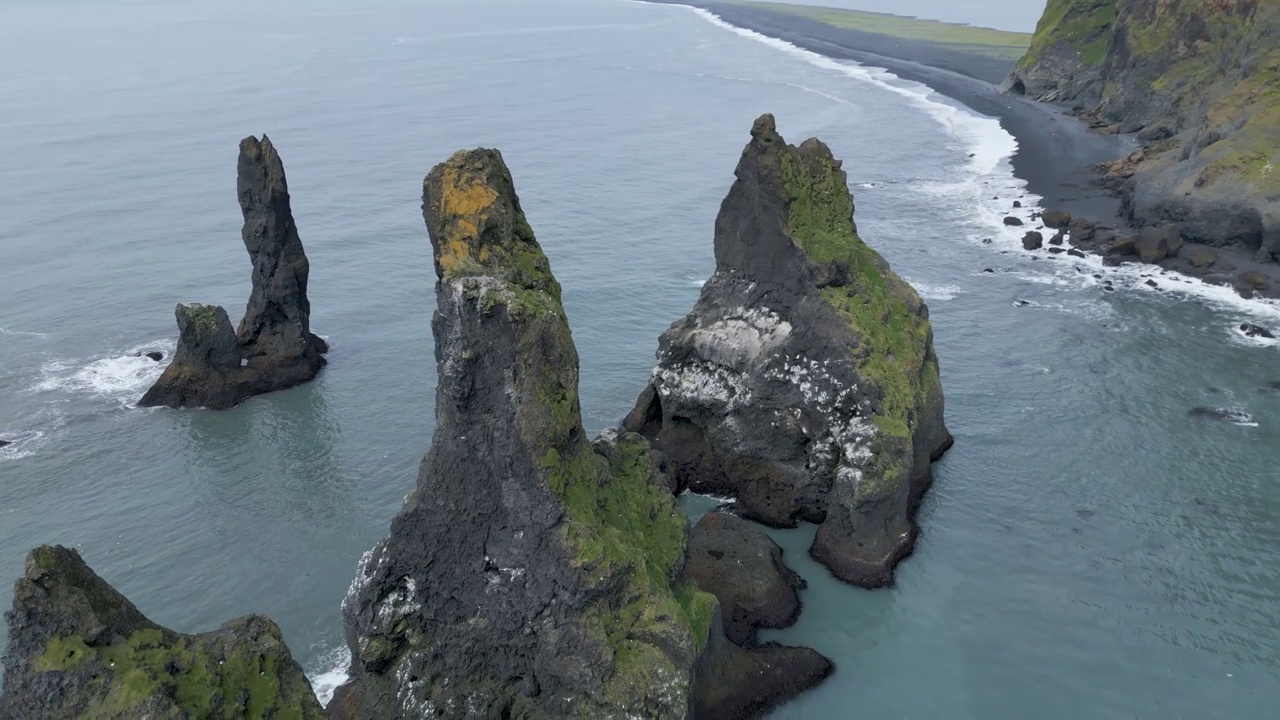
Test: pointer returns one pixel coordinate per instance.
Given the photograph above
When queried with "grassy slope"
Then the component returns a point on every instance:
(963, 38)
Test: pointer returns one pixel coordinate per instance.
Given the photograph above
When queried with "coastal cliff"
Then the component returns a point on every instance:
(532, 573)
(274, 348)
(79, 650)
(804, 382)
(1199, 81)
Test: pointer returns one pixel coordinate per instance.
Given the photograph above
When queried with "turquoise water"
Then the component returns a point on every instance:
(1088, 550)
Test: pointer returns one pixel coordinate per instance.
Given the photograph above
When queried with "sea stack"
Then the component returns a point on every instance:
(78, 649)
(274, 347)
(532, 573)
(804, 382)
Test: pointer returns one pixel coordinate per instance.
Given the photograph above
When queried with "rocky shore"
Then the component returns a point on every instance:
(1082, 157)
(217, 367)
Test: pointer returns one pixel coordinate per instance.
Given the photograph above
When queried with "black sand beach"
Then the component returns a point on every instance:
(1057, 156)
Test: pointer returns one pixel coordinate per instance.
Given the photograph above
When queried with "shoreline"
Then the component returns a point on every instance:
(1058, 157)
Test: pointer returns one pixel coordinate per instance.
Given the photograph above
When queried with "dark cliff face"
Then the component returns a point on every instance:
(530, 574)
(80, 650)
(274, 347)
(804, 381)
(1199, 80)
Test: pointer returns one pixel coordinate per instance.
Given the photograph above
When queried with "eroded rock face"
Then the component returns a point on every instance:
(79, 649)
(530, 574)
(804, 382)
(274, 348)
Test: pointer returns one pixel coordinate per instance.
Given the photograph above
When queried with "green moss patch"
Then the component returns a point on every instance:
(203, 682)
(880, 307)
(1083, 25)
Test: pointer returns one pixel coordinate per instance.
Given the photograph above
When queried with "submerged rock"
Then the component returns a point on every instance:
(78, 649)
(1251, 330)
(804, 381)
(4, 442)
(1232, 415)
(531, 573)
(742, 566)
(274, 348)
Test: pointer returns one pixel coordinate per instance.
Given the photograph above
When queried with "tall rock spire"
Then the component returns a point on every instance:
(275, 348)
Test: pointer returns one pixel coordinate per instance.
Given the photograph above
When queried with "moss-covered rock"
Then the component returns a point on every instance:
(79, 650)
(804, 381)
(1200, 79)
(532, 573)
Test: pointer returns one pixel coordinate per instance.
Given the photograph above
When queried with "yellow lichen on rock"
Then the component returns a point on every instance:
(465, 202)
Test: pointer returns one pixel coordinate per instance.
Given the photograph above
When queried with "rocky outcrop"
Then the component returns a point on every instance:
(274, 348)
(531, 573)
(1198, 82)
(804, 382)
(1032, 240)
(742, 566)
(80, 650)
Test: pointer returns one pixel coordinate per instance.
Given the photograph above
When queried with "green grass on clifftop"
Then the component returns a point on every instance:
(1084, 25)
(963, 38)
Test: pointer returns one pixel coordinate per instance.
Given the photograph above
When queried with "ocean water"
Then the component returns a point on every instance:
(1089, 549)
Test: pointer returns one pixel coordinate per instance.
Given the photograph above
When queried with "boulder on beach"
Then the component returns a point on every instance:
(1081, 230)
(274, 347)
(1017, 204)
(1157, 243)
(1057, 250)
(1058, 238)
(1102, 237)
(804, 382)
(1033, 240)
(1055, 218)
(79, 650)
(1201, 257)
(736, 561)
(1075, 253)
(1123, 246)
(1012, 221)
(1112, 260)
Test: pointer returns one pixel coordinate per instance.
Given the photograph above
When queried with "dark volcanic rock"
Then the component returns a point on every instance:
(275, 333)
(1251, 330)
(155, 355)
(1081, 230)
(1012, 221)
(1075, 253)
(1151, 247)
(1017, 204)
(206, 369)
(79, 649)
(1057, 250)
(531, 574)
(804, 382)
(5, 442)
(742, 566)
(1055, 218)
(1113, 260)
(1058, 238)
(274, 348)
(1032, 240)
(1123, 246)
(736, 684)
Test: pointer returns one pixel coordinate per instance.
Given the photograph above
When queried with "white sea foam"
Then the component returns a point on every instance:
(21, 445)
(991, 187)
(935, 292)
(6, 331)
(335, 662)
(123, 377)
